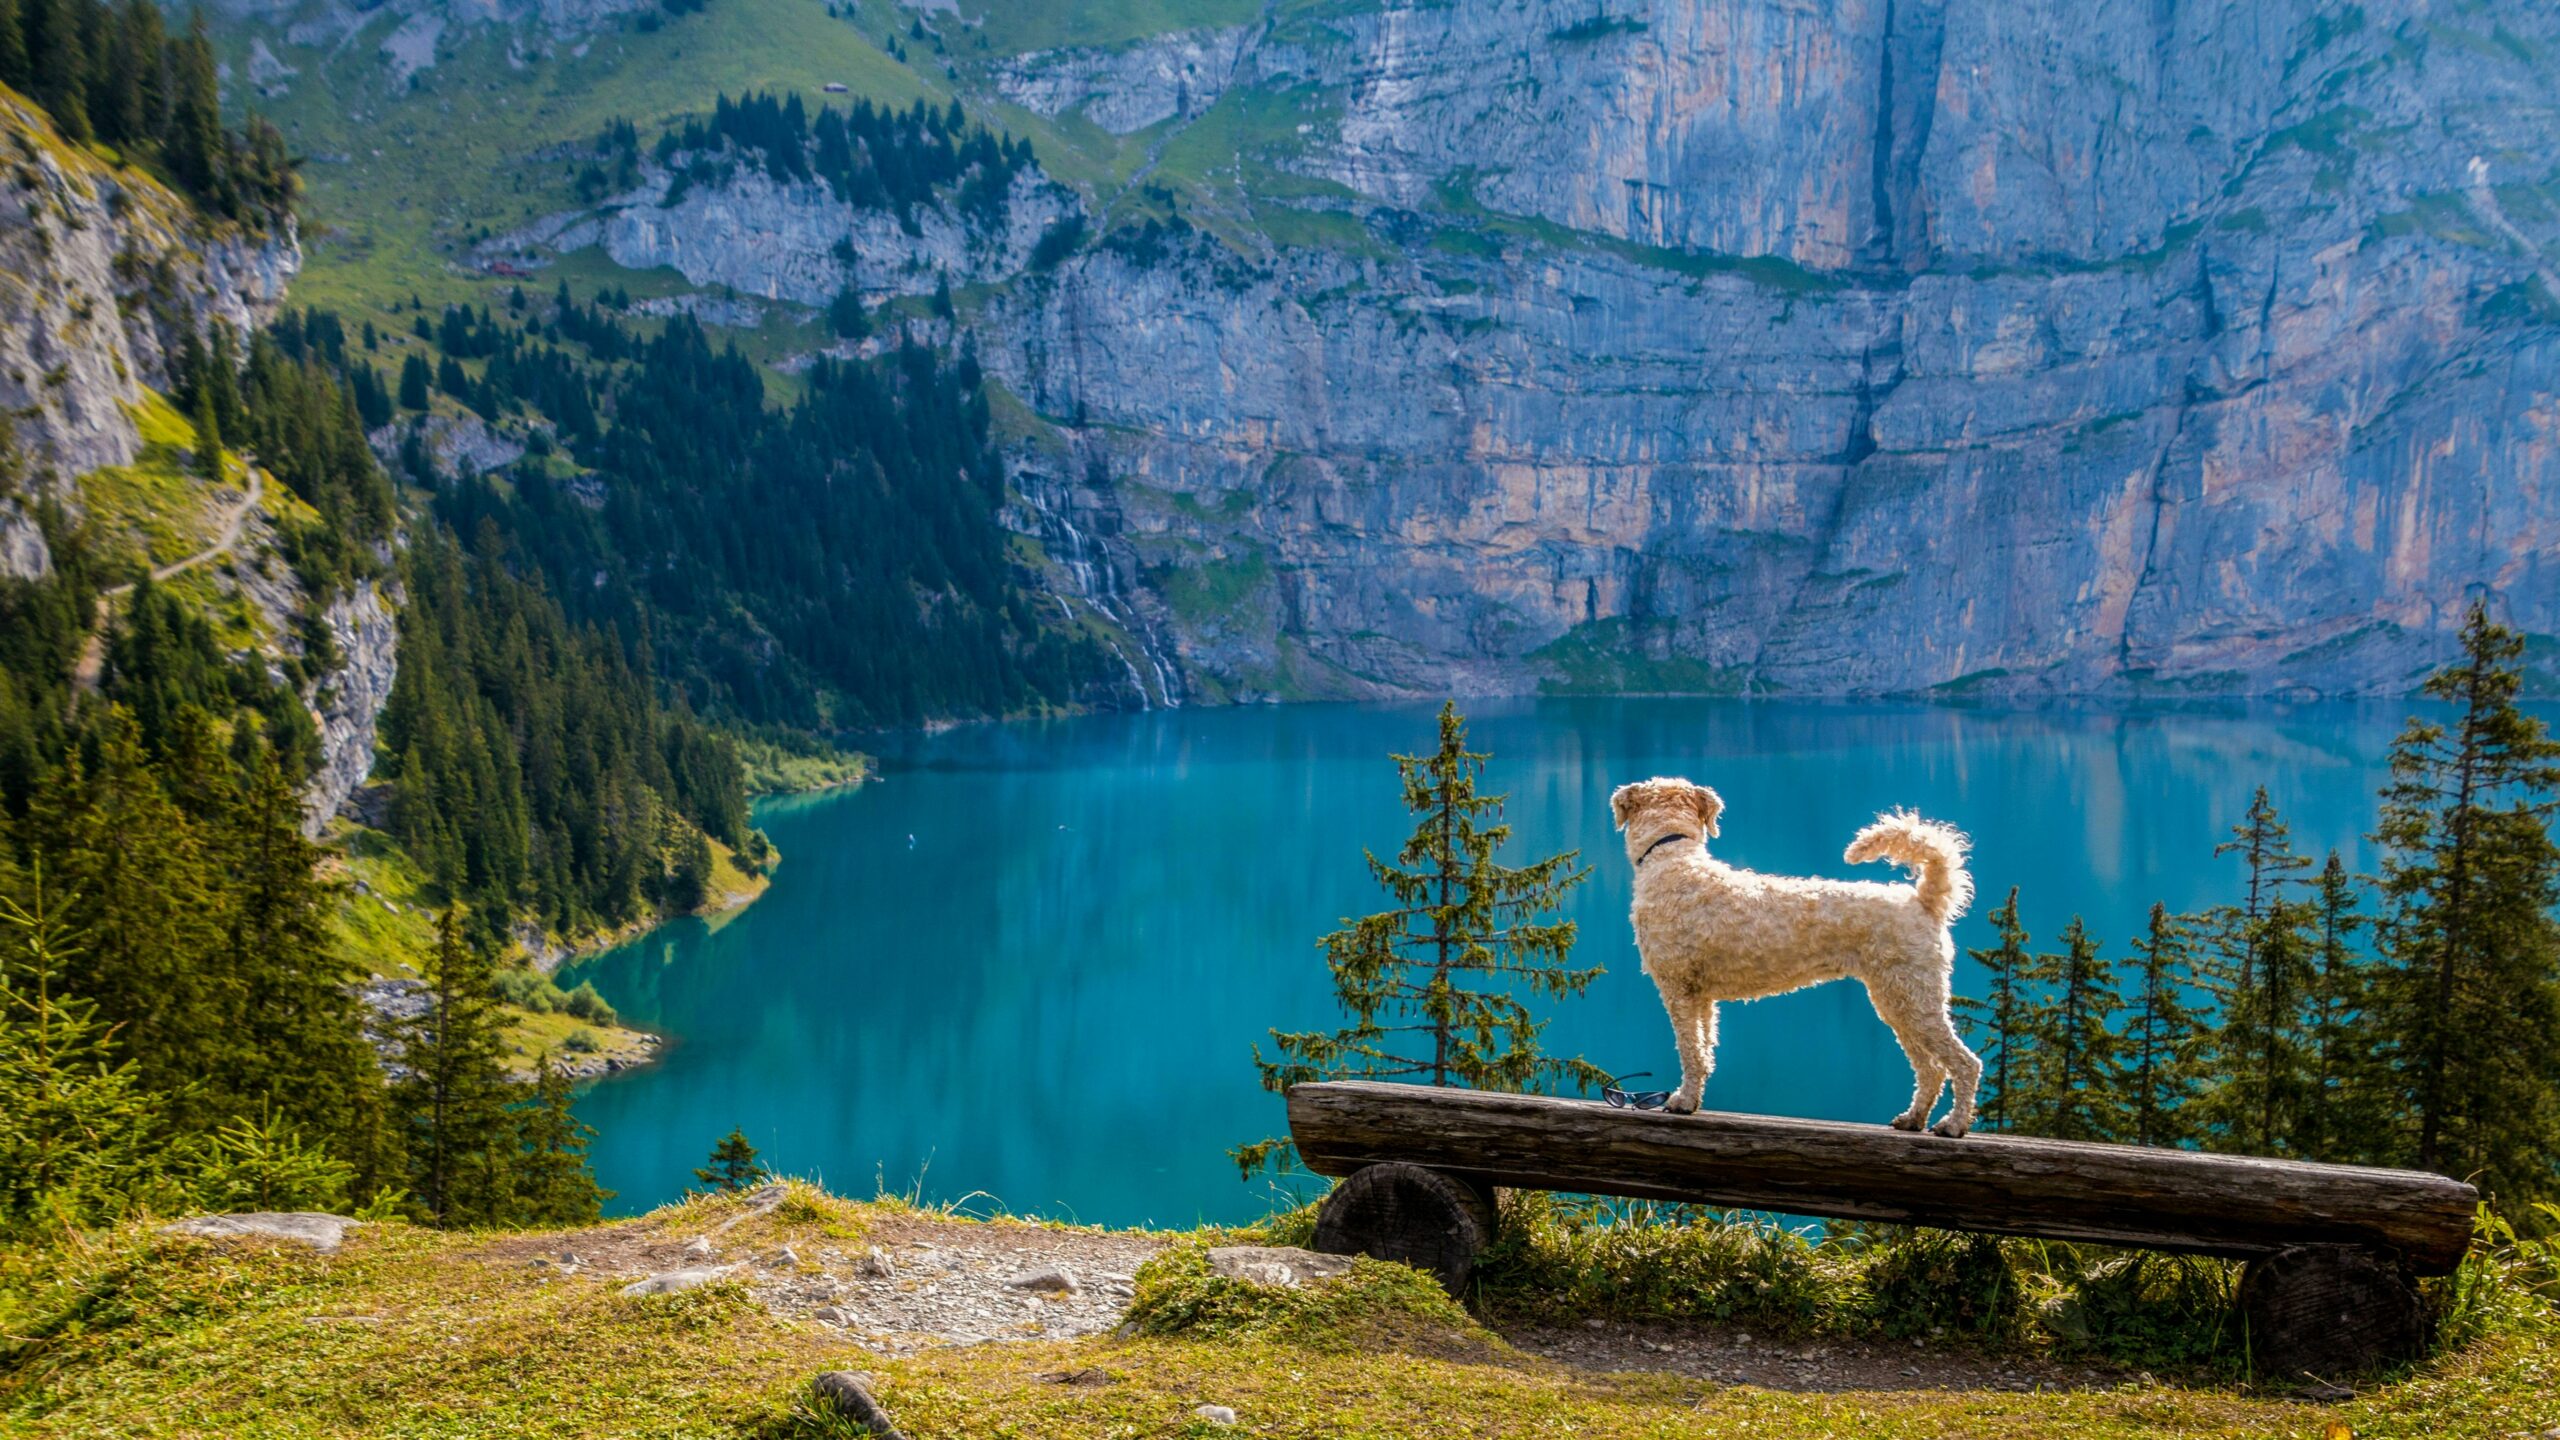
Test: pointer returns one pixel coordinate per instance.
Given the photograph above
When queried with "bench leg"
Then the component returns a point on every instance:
(1431, 1220)
(2330, 1313)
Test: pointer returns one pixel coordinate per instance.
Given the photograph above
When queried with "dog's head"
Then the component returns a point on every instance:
(1651, 809)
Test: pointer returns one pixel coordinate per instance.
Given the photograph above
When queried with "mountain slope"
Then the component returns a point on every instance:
(1891, 346)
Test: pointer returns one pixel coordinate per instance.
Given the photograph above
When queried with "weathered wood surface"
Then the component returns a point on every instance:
(2004, 1185)
(1424, 1218)
(2325, 1312)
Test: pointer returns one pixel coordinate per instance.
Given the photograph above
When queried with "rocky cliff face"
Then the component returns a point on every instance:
(796, 241)
(348, 700)
(2203, 345)
(101, 273)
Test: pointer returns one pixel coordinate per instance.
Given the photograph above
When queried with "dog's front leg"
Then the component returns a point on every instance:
(1693, 1028)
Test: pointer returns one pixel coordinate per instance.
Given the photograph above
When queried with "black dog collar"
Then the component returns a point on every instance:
(1658, 844)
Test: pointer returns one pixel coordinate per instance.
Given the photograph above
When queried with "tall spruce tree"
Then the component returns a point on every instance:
(2161, 1035)
(2467, 1003)
(299, 1046)
(2338, 1116)
(2260, 972)
(2080, 1071)
(152, 908)
(454, 1103)
(1429, 983)
(1998, 1021)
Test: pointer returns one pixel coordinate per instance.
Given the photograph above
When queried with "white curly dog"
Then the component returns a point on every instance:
(1710, 932)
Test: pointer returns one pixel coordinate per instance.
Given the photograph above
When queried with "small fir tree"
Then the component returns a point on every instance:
(1998, 1020)
(554, 1185)
(2467, 1004)
(2161, 1035)
(1428, 983)
(76, 1124)
(734, 1166)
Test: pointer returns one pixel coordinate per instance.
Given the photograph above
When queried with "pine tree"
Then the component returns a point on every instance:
(15, 72)
(58, 62)
(2161, 1036)
(414, 381)
(2260, 974)
(299, 1045)
(152, 906)
(76, 1138)
(553, 1184)
(208, 434)
(1998, 1022)
(846, 315)
(2338, 1117)
(195, 148)
(1404, 974)
(2081, 1073)
(2467, 1005)
(733, 1166)
(454, 1101)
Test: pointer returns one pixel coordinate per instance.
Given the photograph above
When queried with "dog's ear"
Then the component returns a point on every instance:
(1710, 805)
(1622, 804)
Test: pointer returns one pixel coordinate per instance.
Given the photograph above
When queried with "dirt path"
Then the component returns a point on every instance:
(93, 655)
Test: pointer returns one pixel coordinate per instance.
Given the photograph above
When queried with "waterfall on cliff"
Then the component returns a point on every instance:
(1096, 582)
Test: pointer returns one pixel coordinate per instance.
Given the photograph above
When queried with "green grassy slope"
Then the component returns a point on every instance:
(410, 1332)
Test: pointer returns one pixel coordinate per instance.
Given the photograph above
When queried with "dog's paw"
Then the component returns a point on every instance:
(1949, 1128)
(1906, 1122)
(1680, 1105)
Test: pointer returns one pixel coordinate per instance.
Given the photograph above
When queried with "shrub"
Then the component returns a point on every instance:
(1924, 1281)
(587, 1005)
(1560, 1256)
(581, 1041)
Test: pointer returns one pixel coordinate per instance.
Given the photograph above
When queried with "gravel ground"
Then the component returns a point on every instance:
(912, 1283)
(1738, 1357)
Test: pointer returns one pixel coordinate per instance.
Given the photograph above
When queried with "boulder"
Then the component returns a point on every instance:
(848, 1393)
(319, 1231)
(1051, 1279)
(668, 1282)
(1284, 1265)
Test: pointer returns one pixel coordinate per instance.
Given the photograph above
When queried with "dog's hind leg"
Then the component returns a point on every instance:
(1966, 1068)
(1693, 1029)
(1911, 1023)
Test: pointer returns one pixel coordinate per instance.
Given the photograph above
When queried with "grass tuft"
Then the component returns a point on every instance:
(1377, 1301)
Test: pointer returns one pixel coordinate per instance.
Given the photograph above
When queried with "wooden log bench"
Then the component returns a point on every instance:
(2332, 1250)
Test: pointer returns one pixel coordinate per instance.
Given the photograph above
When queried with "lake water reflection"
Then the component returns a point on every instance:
(1032, 960)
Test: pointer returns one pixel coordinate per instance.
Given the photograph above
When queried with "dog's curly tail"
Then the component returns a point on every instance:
(1933, 853)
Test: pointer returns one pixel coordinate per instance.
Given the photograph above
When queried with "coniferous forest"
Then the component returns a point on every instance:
(2407, 1018)
(180, 1019)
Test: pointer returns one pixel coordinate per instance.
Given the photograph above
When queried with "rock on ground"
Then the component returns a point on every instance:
(321, 1232)
(1285, 1265)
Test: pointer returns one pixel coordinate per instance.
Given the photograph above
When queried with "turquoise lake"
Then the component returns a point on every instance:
(1031, 962)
